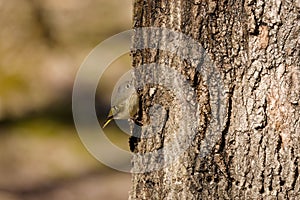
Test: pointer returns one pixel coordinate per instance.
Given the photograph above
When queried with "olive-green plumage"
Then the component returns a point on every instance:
(126, 105)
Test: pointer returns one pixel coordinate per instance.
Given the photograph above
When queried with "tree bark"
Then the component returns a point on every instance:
(254, 45)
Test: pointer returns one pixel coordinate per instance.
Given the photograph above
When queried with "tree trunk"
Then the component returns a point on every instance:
(252, 54)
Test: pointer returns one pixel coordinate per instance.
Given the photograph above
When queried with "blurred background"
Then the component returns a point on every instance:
(42, 45)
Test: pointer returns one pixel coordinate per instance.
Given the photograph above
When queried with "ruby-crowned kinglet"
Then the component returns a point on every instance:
(125, 103)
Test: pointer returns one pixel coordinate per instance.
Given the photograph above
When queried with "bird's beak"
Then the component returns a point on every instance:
(109, 118)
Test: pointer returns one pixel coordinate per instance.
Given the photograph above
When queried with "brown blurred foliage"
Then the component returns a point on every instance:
(42, 44)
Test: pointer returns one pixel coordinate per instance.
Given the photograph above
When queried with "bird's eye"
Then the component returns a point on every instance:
(115, 108)
(128, 85)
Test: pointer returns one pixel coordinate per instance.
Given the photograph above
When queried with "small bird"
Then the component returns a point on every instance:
(126, 103)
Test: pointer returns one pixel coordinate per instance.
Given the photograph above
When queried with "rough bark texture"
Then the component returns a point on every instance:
(255, 45)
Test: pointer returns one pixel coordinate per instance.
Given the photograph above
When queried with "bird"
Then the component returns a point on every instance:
(125, 103)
